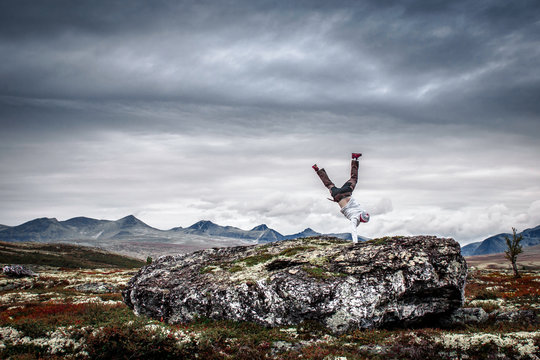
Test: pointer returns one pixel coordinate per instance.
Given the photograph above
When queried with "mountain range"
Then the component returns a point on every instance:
(131, 228)
(497, 243)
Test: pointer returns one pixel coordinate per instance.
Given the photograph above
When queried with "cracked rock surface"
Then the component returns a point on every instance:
(388, 281)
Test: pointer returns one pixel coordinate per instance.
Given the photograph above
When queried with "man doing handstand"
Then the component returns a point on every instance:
(349, 207)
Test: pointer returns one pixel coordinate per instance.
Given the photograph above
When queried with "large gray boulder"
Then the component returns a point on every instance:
(388, 281)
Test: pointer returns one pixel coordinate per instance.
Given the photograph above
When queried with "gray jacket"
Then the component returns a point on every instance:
(354, 212)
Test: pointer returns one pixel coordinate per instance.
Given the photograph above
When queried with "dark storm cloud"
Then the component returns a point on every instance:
(413, 61)
(342, 55)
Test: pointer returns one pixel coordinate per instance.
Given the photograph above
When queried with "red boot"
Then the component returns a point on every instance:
(315, 167)
(355, 156)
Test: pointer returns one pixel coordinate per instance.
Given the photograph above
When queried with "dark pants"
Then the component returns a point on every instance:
(347, 188)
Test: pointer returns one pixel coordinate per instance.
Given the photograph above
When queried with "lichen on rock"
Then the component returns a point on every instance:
(389, 281)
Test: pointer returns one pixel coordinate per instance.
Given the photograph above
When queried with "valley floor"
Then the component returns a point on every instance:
(79, 314)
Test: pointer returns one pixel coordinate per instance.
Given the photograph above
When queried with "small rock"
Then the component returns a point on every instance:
(10, 286)
(521, 316)
(17, 271)
(281, 346)
(374, 349)
(464, 316)
(96, 288)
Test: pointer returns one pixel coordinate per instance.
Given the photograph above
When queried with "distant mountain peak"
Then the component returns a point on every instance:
(42, 221)
(304, 233)
(46, 219)
(261, 227)
(80, 221)
(80, 218)
(202, 225)
(130, 220)
(129, 217)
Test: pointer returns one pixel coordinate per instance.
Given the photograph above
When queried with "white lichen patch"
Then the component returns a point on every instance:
(93, 300)
(22, 282)
(181, 336)
(56, 342)
(488, 302)
(250, 273)
(522, 342)
(8, 334)
(290, 331)
(19, 297)
(54, 276)
(69, 340)
(76, 277)
(319, 260)
(50, 277)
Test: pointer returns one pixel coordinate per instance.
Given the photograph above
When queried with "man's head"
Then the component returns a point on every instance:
(364, 217)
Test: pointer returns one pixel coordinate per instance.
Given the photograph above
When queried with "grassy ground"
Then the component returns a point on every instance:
(63, 255)
(48, 318)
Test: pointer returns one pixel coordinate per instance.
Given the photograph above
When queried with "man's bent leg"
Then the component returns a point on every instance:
(325, 179)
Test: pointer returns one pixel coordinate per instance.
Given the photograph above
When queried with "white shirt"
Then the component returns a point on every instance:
(356, 214)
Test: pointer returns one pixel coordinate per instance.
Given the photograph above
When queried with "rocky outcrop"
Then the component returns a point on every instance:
(17, 271)
(388, 281)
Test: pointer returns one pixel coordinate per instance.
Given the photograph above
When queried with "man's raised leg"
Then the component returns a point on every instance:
(354, 174)
(324, 177)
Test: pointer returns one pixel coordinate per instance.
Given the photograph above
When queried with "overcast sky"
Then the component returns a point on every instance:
(177, 111)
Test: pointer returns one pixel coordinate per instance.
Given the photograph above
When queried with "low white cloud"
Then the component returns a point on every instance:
(175, 179)
(466, 224)
(383, 206)
(533, 214)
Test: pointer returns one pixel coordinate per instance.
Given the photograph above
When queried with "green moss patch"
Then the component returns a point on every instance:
(256, 259)
(235, 268)
(206, 269)
(320, 273)
(295, 250)
(379, 241)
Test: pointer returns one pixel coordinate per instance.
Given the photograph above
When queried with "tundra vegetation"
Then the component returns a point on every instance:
(51, 316)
